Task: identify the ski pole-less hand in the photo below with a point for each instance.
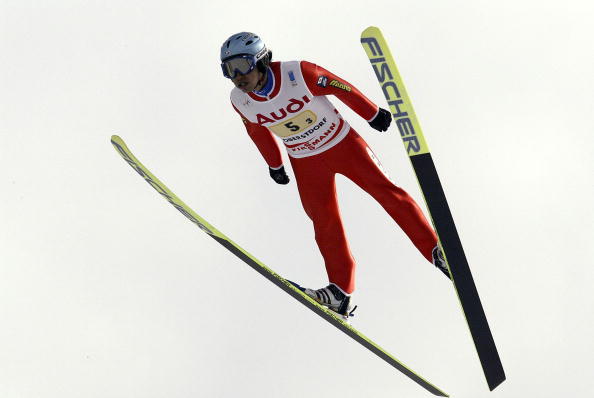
(279, 175)
(382, 120)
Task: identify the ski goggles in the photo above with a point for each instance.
(242, 64)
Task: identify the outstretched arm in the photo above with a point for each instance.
(323, 82)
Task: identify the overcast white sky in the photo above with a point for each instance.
(106, 291)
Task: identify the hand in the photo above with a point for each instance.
(279, 175)
(382, 120)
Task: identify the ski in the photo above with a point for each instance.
(415, 144)
(293, 290)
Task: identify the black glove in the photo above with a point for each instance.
(382, 121)
(279, 175)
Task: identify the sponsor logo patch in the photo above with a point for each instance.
(322, 81)
(294, 106)
(292, 78)
(340, 85)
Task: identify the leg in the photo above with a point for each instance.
(364, 169)
(317, 189)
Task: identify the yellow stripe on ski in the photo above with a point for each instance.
(393, 88)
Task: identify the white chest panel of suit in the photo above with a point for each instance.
(307, 124)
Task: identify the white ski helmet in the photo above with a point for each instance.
(243, 43)
(241, 52)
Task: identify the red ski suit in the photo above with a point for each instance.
(320, 144)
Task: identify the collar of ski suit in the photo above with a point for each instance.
(272, 87)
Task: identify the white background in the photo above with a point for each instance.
(107, 291)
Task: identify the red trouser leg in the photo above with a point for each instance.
(363, 168)
(315, 177)
(317, 190)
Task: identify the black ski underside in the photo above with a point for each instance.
(467, 292)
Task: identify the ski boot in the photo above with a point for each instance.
(440, 262)
(333, 298)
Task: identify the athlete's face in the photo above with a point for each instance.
(249, 82)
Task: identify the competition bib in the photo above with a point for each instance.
(308, 125)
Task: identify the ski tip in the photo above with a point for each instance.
(115, 138)
(370, 30)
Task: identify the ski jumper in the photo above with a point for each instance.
(320, 144)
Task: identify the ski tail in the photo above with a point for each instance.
(416, 147)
